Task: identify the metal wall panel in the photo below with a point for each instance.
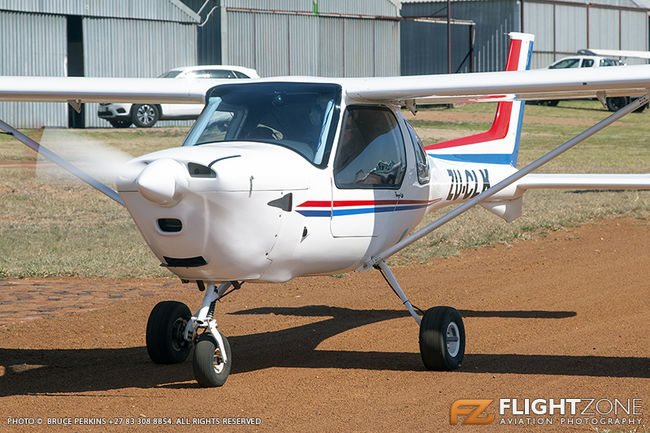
(166, 10)
(633, 26)
(241, 40)
(538, 20)
(303, 45)
(134, 48)
(355, 7)
(358, 48)
(33, 45)
(419, 57)
(272, 44)
(559, 30)
(387, 49)
(294, 44)
(570, 29)
(542, 60)
(494, 19)
(603, 28)
(209, 33)
(330, 47)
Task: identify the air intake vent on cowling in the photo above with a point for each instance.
(191, 262)
(170, 225)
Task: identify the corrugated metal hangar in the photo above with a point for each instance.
(120, 38)
(117, 38)
(303, 37)
(561, 27)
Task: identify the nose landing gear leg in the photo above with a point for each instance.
(171, 331)
(212, 357)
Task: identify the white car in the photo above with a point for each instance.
(146, 115)
(592, 61)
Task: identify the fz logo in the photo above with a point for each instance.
(467, 185)
(473, 409)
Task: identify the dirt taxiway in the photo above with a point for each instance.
(563, 316)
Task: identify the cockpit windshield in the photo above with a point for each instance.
(299, 116)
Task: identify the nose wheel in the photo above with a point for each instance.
(211, 367)
(171, 331)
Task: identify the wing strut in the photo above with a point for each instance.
(379, 259)
(61, 162)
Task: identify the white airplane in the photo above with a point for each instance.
(294, 176)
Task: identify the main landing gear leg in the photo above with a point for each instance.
(442, 334)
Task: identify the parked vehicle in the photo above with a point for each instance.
(146, 115)
(591, 61)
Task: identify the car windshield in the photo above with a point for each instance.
(170, 74)
(566, 63)
(299, 116)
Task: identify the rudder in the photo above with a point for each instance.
(500, 144)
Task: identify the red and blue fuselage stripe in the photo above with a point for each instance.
(358, 207)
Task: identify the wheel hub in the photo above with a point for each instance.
(145, 114)
(218, 361)
(178, 331)
(452, 338)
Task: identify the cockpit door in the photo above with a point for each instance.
(369, 169)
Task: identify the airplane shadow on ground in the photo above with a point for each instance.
(45, 371)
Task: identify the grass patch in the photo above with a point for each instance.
(621, 148)
(49, 229)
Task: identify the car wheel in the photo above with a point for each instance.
(144, 115)
(615, 104)
(641, 108)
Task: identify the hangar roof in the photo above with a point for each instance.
(165, 10)
(642, 4)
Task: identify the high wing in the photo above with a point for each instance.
(481, 86)
(87, 89)
(619, 53)
(494, 86)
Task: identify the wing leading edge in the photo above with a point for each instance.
(86, 89)
(495, 86)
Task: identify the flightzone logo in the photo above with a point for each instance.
(542, 411)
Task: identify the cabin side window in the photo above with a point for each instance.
(421, 160)
(371, 150)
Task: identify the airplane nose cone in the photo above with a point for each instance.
(163, 182)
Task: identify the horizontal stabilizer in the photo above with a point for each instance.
(584, 181)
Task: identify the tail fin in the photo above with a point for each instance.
(499, 145)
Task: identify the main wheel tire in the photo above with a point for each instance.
(209, 368)
(165, 332)
(120, 123)
(615, 104)
(442, 339)
(144, 115)
(552, 103)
